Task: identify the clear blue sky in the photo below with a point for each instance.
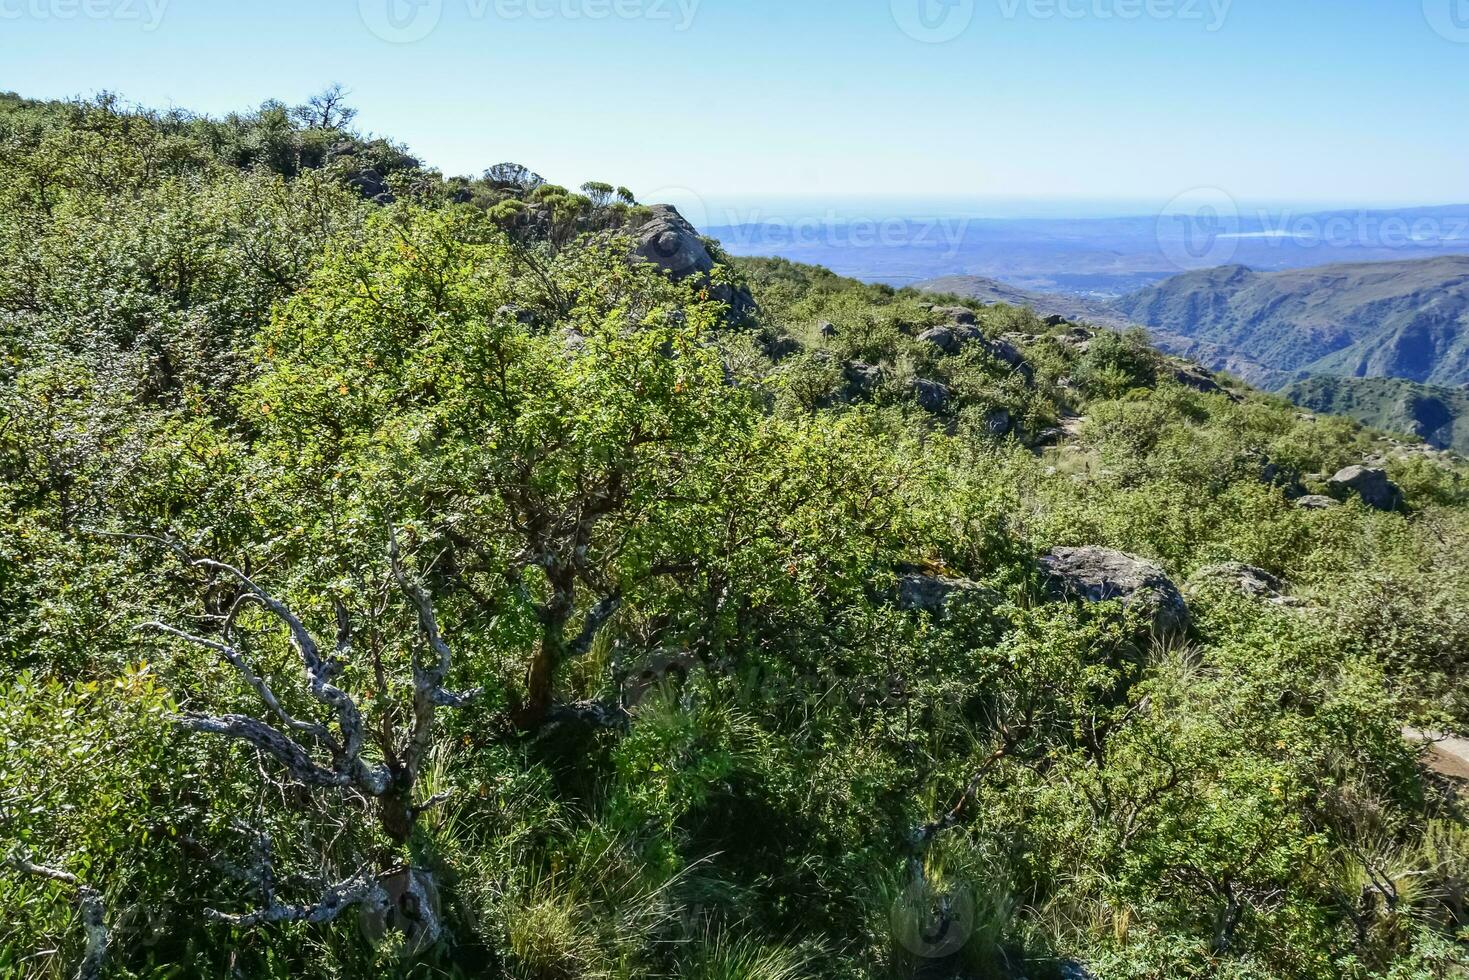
(1340, 101)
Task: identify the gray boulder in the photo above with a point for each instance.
(1317, 502)
(998, 421)
(863, 380)
(932, 396)
(1008, 354)
(669, 242)
(781, 347)
(1258, 584)
(827, 330)
(1100, 575)
(961, 315)
(921, 591)
(1368, 483)
(1055, 320)
(672, 244)
(944, 338)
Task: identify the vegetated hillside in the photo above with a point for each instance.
(1439, 416)
(991, 291)
(404, 575)
(1103, 313)
(1393, 319)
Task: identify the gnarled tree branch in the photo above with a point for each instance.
(89, 905)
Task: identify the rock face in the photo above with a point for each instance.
(1193, 377)
(945, 339)
(1253, 582)
(998, 421)
(961, 315)
(1317, 502)
(1372, 485)
(863, 380)
(1101, 575)
(673, 245)
(932, 396)
(781, 347)
(919, 591)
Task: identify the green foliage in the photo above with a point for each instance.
(664, 549)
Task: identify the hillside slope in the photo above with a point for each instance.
(1395, 319)
(1082, 309)
(405, 575)
(1439, 416)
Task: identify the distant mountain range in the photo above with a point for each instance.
(1379, 319)
(1386, 343)
(1440, 416)
(1383, 319)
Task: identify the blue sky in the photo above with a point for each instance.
(1350, 102)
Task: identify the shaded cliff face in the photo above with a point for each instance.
(1396, 319)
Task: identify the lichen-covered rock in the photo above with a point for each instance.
(932, 396)
(1368, 483)
(998, 421)
(1247, 579)
(1317, 502)
(961, 315)
(863, 380)
(944, 338)
(672, 244)
(1101, 575)
(921, 591)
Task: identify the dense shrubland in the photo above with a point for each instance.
(396, 579)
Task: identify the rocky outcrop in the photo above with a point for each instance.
(959, 315)
(1368, 483)
(672, 244)
(1317, 502)
(932, 396)
(863, 380)
(922, 591)
(781, 347)
(1246, 579)
(946, 339)
(1097, 574)
(998, 421)
(1193, 377)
